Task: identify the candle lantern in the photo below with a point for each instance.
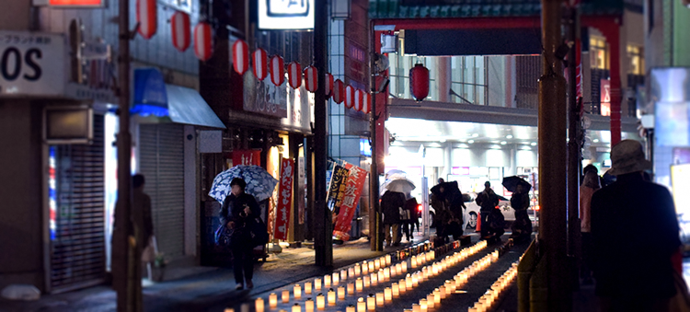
(358, 284)
(402, 285)
(317, 284)
(422, 304)
(413, 260)
(296, 308)
(442, 290)
(350, 308)
(297, 291)
(331, 297)
(409, 282)
(404, 267)
(386, 274)
(286, 296)
(341, 293)
(377, 264)
(320, 302)
(336, 279)
(309, 305)
(388, 259)
(416, 308)
(259, 305)
(371, 266)
(388, 294)
(358, 269)
(307, 288)
(361, 305)
(327, 281)
(351, 272)
(437, 297)
(366, 281)
(371, 302)
(396, 290)
(343, 275)
(245, 307)
(430, 301)
(273, 300)
(380, 299)
(374, 279)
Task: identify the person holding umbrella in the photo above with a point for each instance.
(488, 200)
(522, 227)
(238, 210)
(391, 205)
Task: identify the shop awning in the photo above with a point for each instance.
(152, 97)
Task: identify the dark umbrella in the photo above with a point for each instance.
(448, 188)
(511, 183)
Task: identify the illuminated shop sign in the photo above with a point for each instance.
(286, 14)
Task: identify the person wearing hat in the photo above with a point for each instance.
(633, 269)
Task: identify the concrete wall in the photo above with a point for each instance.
(21, 194)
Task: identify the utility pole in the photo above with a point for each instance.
(375, 226)
(323, 238)
(552, 161)
(126, 270)
(573, 147)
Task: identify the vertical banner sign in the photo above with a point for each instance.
(353, 190)
(301, 189)
(336, 189)
(246, 158)
(284, 199)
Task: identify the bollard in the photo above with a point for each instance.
(525, 270)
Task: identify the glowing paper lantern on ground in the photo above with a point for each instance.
(240, 57)
(277, 69)
(181, 31)
(311, 79)
(146, 17)
(260, 59)
(295, 75)
(203, 41)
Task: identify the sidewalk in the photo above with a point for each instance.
(213, 287)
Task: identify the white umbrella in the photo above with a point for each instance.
(400, 185)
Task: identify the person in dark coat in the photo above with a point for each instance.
(448, 202)
(633, 269)
(238, 209)
(522, 226)
(411, 211)
(488, 200)
(391, 204)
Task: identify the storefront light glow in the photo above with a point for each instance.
(52, 192)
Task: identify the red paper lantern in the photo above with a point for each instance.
(277, 70)
(349, 97)
(366, 103)
(203, 41)
(146, 17)
(338, 91)
(311, 79)
(181, 31)
(419, 82)
(329, 85)
(295, 75)
(359, 100)
(260, 64)
(240, 57)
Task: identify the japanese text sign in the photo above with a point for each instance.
(353, 190)
(246, 158)
(336, 189)
(282, 221)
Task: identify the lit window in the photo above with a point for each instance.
(598, 53)
(636, 56)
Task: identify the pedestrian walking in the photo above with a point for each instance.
(633, 269)
(522, 226)
(391, 204)
(143, 222)
(238, 213)
(410, 218)
(491, 224)
(590, 184)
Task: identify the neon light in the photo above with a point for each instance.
(52, 193)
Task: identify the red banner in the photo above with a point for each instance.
(246, 157)
(355, 184)
(282, 221)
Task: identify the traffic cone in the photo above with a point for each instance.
(479, 223)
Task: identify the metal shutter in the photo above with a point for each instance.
(77, 257)
(162, 164)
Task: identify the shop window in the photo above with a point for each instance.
(636, 57)
(599, 53)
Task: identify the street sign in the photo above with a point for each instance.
(286, 14)
(31, 63)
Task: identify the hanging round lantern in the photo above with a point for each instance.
(338, 91)
(203, 41)
(260, 63)
(181, 31)
(295, 75)
(240, 59)
(359, 100)
(329, 85)
(146, 18)
(366, 103)
(311, 79)
(419, 82)
(277, 70)
(349, 97)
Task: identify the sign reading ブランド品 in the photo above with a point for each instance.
(31, 63)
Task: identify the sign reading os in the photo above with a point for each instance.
(31, 63)
(286, 14)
